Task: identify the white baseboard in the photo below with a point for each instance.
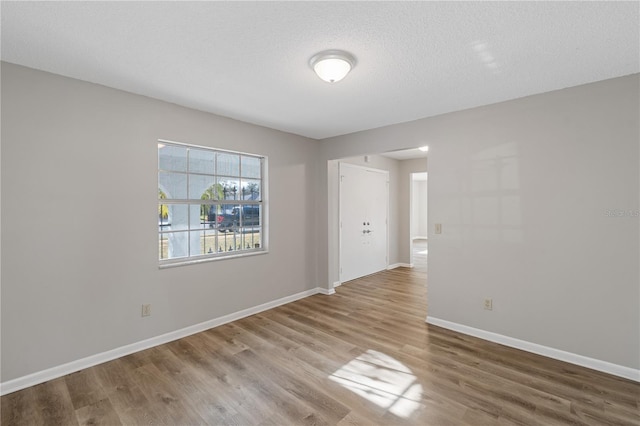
(337, 284)
(399, 265)
(419, 238)
(80, 364)
(592, 363)
(325, 291)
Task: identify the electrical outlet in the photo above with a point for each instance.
(438, 228)
(488, 304)
(146, 310)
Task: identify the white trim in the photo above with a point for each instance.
(592, 363)
(327, 292)
(337, 284)
(358, 166)
(209, 148)
(80, 364)
(400, 265)
(194, 260)
(419, 238)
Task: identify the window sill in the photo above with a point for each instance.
(173, 264)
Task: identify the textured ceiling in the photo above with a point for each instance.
(248, 60)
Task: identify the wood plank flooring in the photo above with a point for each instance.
(363, 356)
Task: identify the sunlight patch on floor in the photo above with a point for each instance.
(381, 380)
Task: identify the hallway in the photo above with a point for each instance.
(419, 254)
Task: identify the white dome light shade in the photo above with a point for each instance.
(332, 65)
(332, 69)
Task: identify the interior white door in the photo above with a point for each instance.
(364, 207)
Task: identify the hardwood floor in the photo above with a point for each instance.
(363, 356)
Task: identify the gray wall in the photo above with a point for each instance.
(522, 189)
(79, 231)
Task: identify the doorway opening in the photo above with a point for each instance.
(418, 235)
(400, 165)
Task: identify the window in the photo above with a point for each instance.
(210, 203)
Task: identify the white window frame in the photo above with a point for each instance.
(242, 252)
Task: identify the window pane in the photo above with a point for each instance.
(202, 216)
(251, 190)
(207, 242)
(209, 215)
(213, 192)
(250, 167)
(225, 209)
(177, 217)
(172, 185)
(161, 194)
(230, 219)
(202, 187)
(250, 215)
(163, 217)
(230, 189)
(172, 158)
(229, 241)
(228, 164)
(174, 245)
(163, 246)
(201, 161)
(251, 237)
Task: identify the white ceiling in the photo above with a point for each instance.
(248, 60)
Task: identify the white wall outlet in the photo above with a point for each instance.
(438, 228)
(146, 310)
(488, 304)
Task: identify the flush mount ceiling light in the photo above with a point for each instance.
(332, 65)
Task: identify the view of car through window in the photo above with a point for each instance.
(246, 215)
